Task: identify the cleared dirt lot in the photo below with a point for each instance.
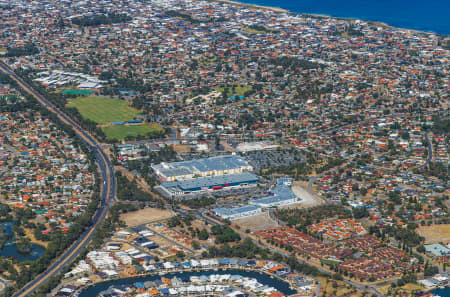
(435, 233)
(226, 146)
(307, 198)
(258, 222)
(146, 215)
(182, 148)
(30, 234)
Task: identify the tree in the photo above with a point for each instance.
(195, 245)
(430, 270)
(421, 249)
(203, 234)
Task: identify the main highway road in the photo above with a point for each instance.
(107, 195)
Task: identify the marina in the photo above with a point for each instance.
(195, 281)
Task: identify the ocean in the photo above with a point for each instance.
(442, 292)
(430, 16)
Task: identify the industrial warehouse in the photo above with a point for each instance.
(178, 189)
(188, 179)
(281, 195)
(236, 213)
(214, 166)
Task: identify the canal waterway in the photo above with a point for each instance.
(262, 278)
(445, 292)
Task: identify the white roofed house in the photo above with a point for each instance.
(168, 265)
(195, 263)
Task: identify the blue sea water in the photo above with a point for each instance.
(442, 292)
(430, 16)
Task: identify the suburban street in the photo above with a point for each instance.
(107, 195)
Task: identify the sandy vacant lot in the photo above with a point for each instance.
(435, 233)
(182, 148)
(258, 222)
(144, 216)
(307, 199)
(30, 234)
(226, 146)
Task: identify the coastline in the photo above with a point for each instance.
(270, 8)
(318, 15)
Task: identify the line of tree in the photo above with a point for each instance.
(407, 236)
(26, 50)
(331, 163)
(180, 220)
(184, 16)
(441, 125)
(224, 234)
(262, 29)
(102, 19)
(293, 63)
(199, 202)
(130, 191)
(437, 169)
(350, 31)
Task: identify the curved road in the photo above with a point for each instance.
(108, 189)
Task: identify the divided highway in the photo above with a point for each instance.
(107, 195)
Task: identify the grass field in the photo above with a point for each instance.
(103, 110)
(9, 97)
(239, 90)
(76, 92)
(407, 290)
(435, 233)
(120, 132)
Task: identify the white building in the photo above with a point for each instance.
(281, 195)
(236, 213)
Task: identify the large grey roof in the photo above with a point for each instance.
(218, 163)
(280, 193)
(233, 211)
(210, 181)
